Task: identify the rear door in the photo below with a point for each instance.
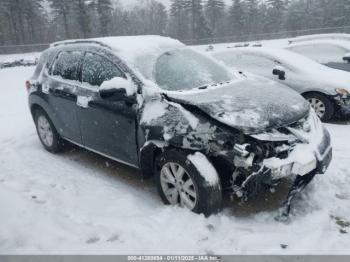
(107, 126)
(61, 88)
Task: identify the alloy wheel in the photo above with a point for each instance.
(45, 131)
(318, 106)
(178, 186)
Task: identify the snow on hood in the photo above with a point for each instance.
(247, 104)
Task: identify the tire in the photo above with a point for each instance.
(205, 198)
(323, 106)
(47, 132)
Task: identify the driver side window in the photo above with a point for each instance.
(97, 69)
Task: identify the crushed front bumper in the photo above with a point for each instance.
(301, 182)
(303, 172)
(344, 106)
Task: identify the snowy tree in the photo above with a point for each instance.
(276, 9)
(81, 16)
(236, 18)
(179, 22)
(199, 26)
(295, 16)
(215, 14)
(61, 11)
(104, 11)
(22, 21)
(251, 16)
(157, 17)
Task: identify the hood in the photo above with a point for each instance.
(247, 104)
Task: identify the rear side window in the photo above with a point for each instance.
(67, 65)
(97, 69)
(321, 53)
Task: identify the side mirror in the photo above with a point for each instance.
(118, 89)
(278, 71)
(346, 58)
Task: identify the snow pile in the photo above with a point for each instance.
(120, 83)
(28, 57)
(205, 168)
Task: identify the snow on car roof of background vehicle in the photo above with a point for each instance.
(340, 43)
(283, 56)
(320, 37)
(280, 43)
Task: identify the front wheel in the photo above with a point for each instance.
(181, 182)
(322, 105)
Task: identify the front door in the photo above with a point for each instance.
(108, 127)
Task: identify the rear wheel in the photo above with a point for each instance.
(47, 133)
(322, 105)
(180, 183)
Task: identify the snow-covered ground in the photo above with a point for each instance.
(16, 57)
(80, 203)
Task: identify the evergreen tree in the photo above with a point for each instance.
(199, 26)
(104, 10)
(276, 9)
(81, 17)
(215, 14)
(236, 18)
(62, 11)
(158, 18)
(179, 22)
(251, 16)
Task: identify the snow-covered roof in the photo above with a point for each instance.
(139, 52)
(281, 55)
(340, 43)
(321, 37)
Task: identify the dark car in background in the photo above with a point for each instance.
(154, 104)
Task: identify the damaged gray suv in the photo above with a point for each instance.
(154, 104)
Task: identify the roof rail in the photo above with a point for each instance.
(70, 42)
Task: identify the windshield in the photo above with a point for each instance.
(186, 69)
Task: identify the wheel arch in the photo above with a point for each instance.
(317, 92)
(151, 150)
(37, 102)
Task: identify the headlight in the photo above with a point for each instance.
(342, 92)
